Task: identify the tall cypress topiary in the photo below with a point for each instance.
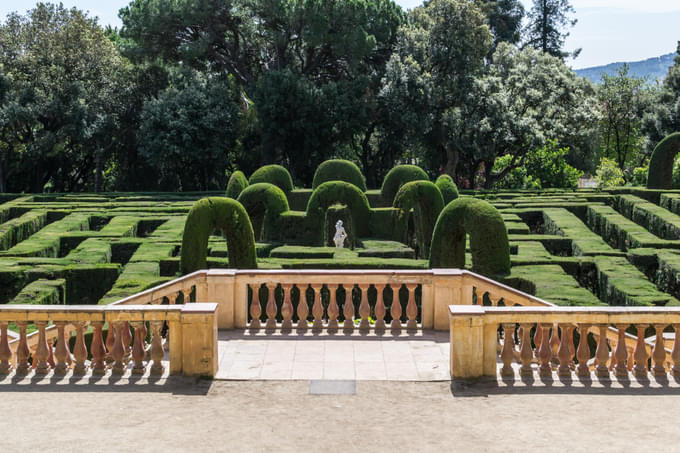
(273, 174)
(426, 200)
(660, 173)
(223, 214)
(488, 237)
(339, 170)
(397, 177)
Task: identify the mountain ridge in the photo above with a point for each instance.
(653, 68)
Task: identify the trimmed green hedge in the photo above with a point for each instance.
(208, 215)
(425, 199)
(42, 292)
(273, 174)
(397, 177)
(660, 173)
(488, 238)
(339, 170)
(330, 193)
(561, 222)
(657, 220)
(447, 187)
(264, 203)
(237, 182)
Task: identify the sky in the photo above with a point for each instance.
(608, 31)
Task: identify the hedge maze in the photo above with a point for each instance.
(616, 247)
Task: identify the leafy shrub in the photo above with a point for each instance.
(339, 170)
(640, 176)
(397, 177)
(273, 174)
(237, 182)
(264, 203)
(609, 174)
(447, 187)
(660, 175)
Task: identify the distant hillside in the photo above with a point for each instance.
(652, 68)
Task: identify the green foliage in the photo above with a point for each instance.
(609, 174)
(545, 30)
(660, 174)
(264, 203)
(273, 174)
(640, 176)
(226, 215)
(339, 170)
(447, 187)
(237, 182)
(426, 201)
(663, 117)
(488, 238)
(333, 192)
(397, 177)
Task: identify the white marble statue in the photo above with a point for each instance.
(340, 235)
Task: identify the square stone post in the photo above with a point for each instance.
(219, 288)
(473, 346)
(446, 286)
(198, 326)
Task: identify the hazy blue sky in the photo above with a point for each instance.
(607, 30)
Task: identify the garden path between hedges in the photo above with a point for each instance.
(180, 414)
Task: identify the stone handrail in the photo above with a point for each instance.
(474, 333)
(191, 339)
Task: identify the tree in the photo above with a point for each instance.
(545, 29)
(505, 20)
(623, 101)
(663, 117)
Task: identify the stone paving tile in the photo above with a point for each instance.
(307, 370)
(338, 370)
(370, 371)
(401, 371)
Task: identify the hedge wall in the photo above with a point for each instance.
(273, 174)
(333, 192)
(397, 177)
(237, 182)
(264, 203)
(339, 170)
(447, 187)
(660, 173)
(426, 200)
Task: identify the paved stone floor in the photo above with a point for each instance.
(421, 356)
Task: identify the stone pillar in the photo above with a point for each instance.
(198, 340)
(467, 342)
(232, 301)
(446, 290)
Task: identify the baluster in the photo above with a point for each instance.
(602, 352)
(255, 309)
(364, 308)
(583, 351)
(570, 343)
(348, 310)
(138, 347)
(526, 353)
(395, 310)
(621, 353)
(127, 340)
(675, 354)
(42, 352)
(659, 352)
(317, 308)
(118, 352)
(564, 351)
(640, 354)
(554, 345)
(61, 352)
(508, 351)
(186, 293)
(380, 310)
(333, 309)
(302, 310)
(5, 350)
(157, 347)
(80, 349)
(271, 306)
(110, 342)
(544, 352)
(287, 307)
(98, 350)
(23, 352)
(411, 308)
(538, 339)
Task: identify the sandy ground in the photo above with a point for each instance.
(242, 416)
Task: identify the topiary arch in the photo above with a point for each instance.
(426, 200)
(660, 173)
(447, 187)
(264, 203)
(397, 177)
(273, 174)
(333, 192)
(226, 215)
(237, 182)
(339, 170)
(488, 237)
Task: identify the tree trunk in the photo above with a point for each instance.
(451, 162)
(98, 170)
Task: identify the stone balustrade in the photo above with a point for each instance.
(190, 337)
(530, 340)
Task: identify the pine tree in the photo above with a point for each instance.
(545, 30)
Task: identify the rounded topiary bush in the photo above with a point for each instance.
(447, 187)
(488, 237)
(223, 214)
(273, 174)
(237, 182)
(426, 200)
(264, 203)
(660, 173)
(339, 170)
(397, 177)
(334, 192)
